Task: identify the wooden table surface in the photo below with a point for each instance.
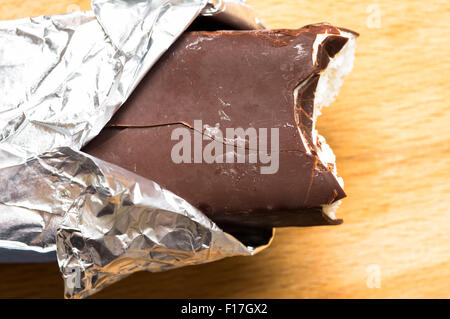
(390, 130)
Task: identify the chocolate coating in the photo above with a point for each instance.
(231, 79)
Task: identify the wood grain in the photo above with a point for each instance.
(390, 130)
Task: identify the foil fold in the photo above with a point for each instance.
(62, 78)
(118, 223)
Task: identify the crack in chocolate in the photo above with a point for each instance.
(191, 127)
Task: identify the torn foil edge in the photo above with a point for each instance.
(233, 12)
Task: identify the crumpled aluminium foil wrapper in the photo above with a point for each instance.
(115, 222)
(61, 80)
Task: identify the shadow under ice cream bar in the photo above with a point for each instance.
(208, 82)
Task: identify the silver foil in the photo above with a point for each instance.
(113, 221)
(61, 79)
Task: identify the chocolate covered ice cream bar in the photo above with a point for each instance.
(226, 120)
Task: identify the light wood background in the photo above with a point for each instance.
(390, 130)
